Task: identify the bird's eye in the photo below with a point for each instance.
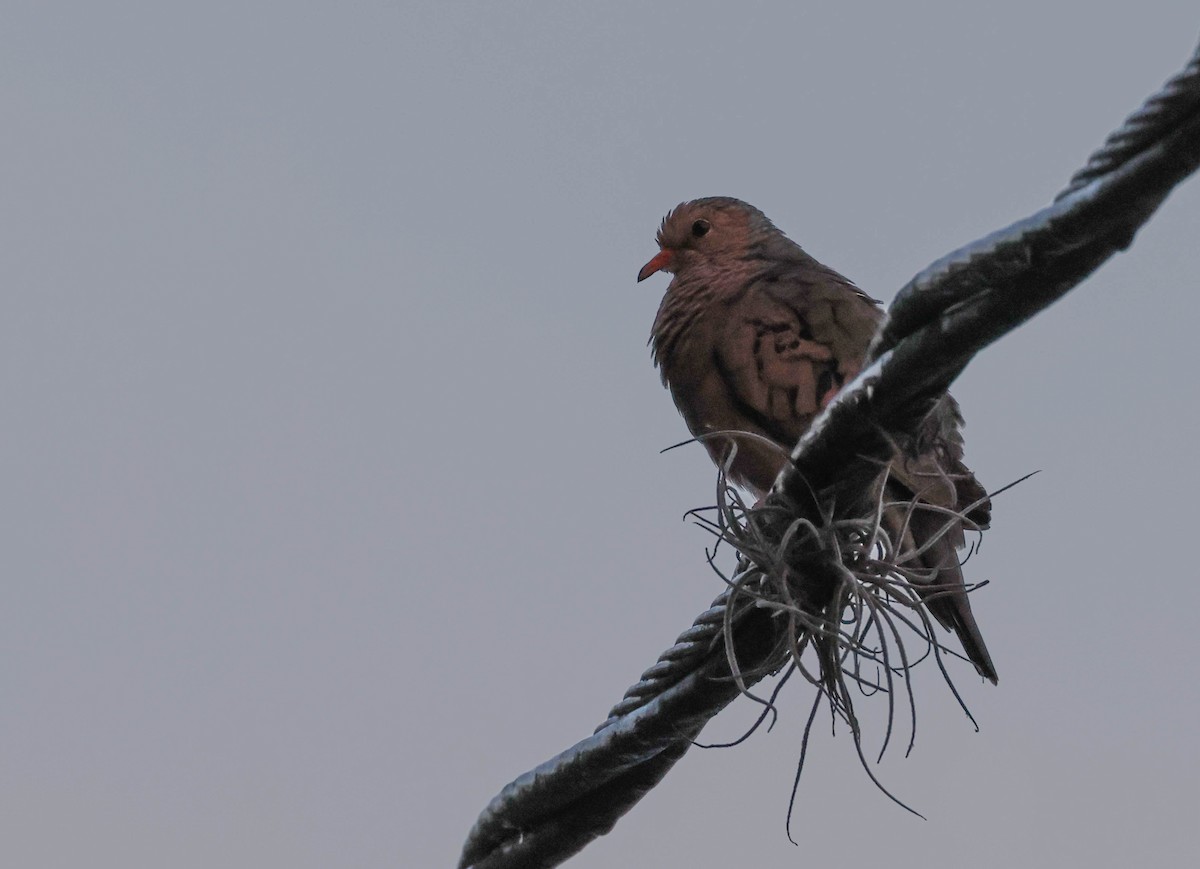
(700, 227)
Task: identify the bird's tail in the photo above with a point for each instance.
(947, 597)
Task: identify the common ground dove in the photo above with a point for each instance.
(754, 335)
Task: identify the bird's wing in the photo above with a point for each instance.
(788, 343)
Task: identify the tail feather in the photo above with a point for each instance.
(948, 600)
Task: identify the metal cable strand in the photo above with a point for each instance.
(692, 646)
(978, 266)
(552, 811)
(937, 323)
(1158, 116)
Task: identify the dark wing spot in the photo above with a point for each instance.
(827, 380)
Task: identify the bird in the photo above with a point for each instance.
(754, 335)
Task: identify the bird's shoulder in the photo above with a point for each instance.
(802, 283)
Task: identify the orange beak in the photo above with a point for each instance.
(661, 260)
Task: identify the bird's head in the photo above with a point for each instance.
(710, 229)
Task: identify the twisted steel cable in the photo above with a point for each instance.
(691, 647)
(1159, 116)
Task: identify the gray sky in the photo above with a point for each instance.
(333, 498)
